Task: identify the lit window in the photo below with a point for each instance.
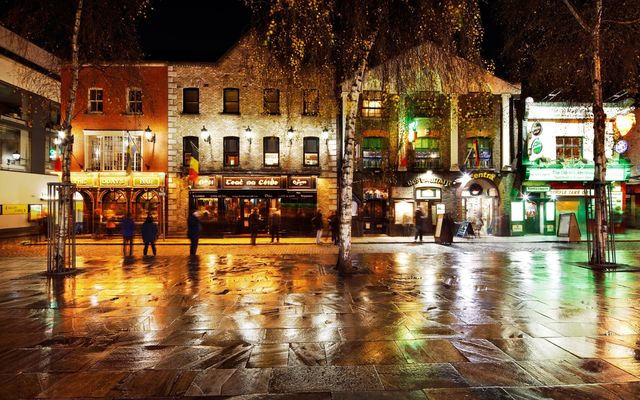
(113, 152)
(134, 101)
(271, 147)
(372, 104)
(372, 148)
(427, 153)
(311, 146)
(231, 145)
(95, 100)
(478, 153)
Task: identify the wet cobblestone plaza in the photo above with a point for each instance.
(470, 321)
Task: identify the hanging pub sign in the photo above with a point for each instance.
(252, 182)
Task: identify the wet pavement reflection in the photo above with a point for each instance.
(467, 324)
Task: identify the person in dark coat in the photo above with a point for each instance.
(318, 224)
(334, 224)
(194, 226)
(149, 235)
(128, 228)
(254, 220)
(419, 224)
(274, 225)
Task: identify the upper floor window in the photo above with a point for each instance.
(372, 104)
(189, 148)
(231, 147)
(478, 153)
(113, 152)
(372, 148)
(190, 101)
(311, 147)
(271, 146)
(427, 153)
(568, 148)
(310, 102)
(134, 101)
(427, 105)
(95, 100)
(272, 101)
(231, 101)
(14, 146)
(10, 101)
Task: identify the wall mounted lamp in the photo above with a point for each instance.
(205, 135)
(249, 135)
(325, 135)
(290, 135)
(149, 135)
(15, 158)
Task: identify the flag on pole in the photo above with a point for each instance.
(194, 163)
(57, 164)
(129, 156)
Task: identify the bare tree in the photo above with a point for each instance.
(83, 33)
(587, 48)
(350, 36)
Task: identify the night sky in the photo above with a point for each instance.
(192, 30)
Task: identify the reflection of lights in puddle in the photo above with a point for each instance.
(94, 300)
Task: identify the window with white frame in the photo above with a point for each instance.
(95, 100)
(116, 151)
(134, 101)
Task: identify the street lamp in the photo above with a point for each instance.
(290, 135)
(149, 135)
(15, 158)
(624, 122)
(205, 135)
(325, 135)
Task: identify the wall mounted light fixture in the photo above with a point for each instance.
(205, 135)
(149, 135)
(325, 135)
(249, 134)
(15, 158)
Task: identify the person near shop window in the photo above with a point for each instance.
(317, 224)
(418, 221)
(334, 224)
(274, 225)
(194, 226)
(254, 220)
(128, 228)
(149, 235)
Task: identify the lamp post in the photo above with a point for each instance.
(149, 135)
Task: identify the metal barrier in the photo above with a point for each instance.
(61, 245)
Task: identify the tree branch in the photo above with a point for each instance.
(619, 22)
(577, 16)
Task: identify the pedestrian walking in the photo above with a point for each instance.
(317, 224)
(194, 226)
(418, 221)
(149, 235)
(128, 228)
(274, 225)
(334, 224)
(254, 219)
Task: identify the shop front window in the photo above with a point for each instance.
(427, 153)
(372, 148)
(478, 153)
(114, 209)
(148, 204)
(14, 145)
(117, 152)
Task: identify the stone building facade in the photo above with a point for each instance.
(262, 141)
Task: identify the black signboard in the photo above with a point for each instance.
(465, 229)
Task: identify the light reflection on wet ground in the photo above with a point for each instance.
(468, 322)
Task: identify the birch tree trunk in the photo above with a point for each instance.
(345, 261)
(598, 256)
(66, 197)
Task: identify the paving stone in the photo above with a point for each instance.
(329, 378)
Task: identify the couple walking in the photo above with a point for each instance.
(149, 232)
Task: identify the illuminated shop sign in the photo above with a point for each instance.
(14, 209)
(432, 179)
(573, 174)
(250, 182)
(117, 180)
(206, 182)
(84, 179)
(147, 180)
(492, 176)
(301, 182)
(570, 192)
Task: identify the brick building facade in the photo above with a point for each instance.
(262, 141)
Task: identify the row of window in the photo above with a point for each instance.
(231, 101)
(134, 101)
(270, 149)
